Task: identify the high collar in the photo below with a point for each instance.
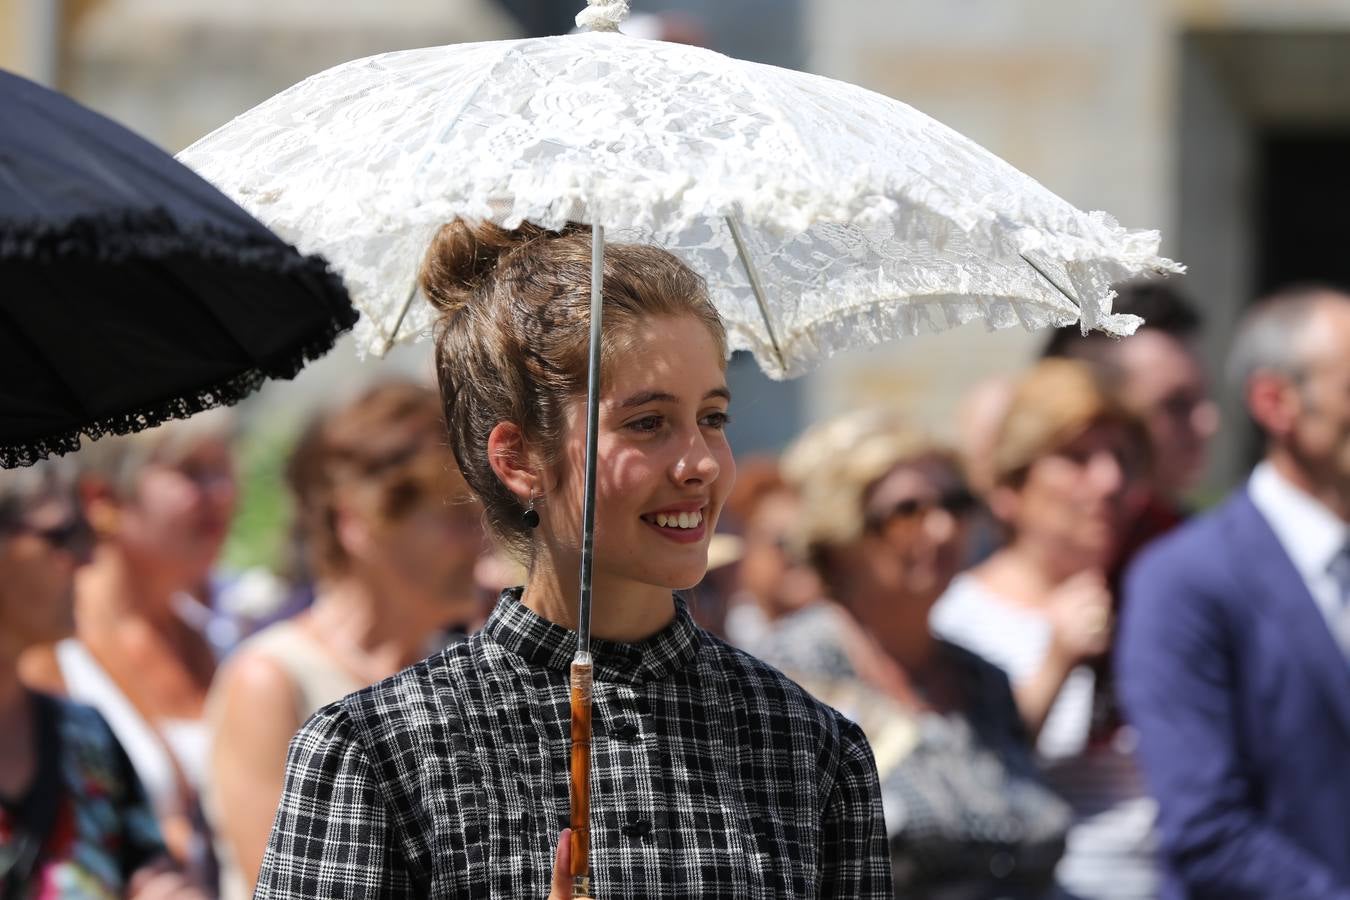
(520, 630)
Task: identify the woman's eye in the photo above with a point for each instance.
(717, 420)
(645, 424)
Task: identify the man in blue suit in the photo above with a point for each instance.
(1234, 650)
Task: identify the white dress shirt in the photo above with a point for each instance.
(1312, 536)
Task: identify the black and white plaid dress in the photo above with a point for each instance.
(713, 775)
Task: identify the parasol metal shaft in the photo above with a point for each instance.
(582, 669)
(756, 287)
(592, 437)
(398, 323)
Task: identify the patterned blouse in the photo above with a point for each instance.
(712, 776)
(969, 815)
(84, 826)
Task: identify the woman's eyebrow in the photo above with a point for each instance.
(645, 397)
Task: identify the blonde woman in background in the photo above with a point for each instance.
(882, 520)
(393, 537)
(160, 504)
(1067, 466)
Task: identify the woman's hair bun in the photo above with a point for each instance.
(464, 255)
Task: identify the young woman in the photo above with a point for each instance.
(393, 537)
(713, 775)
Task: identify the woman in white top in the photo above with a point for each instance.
(1065, 466)
(160, 503)
(393, 536)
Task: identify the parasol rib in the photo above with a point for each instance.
(1050, 281)
(755, 287)
(398, 323)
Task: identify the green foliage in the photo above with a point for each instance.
(258, 534)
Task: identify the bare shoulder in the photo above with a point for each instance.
(254, 687)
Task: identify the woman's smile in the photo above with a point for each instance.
(683, 523)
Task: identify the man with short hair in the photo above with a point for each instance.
(1234, 652)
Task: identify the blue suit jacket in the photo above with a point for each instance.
(1241, 697)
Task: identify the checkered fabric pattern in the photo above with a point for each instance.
(713, 775)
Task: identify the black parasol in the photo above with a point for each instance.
(131, 291)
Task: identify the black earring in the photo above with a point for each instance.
(530, 516)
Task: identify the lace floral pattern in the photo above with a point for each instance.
(864, 219)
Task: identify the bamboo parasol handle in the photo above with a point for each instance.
(582, 680)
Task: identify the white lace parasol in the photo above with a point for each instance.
(823, 215)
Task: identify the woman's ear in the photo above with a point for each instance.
(510, 462)
(353, 533)
(100, 506)
(1005, 503)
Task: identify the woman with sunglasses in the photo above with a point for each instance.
(74, 820)
(883, 521)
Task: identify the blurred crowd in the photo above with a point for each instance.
(1075, 683)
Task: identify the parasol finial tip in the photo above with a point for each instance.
(603, 15)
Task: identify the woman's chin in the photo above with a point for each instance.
(675, 578)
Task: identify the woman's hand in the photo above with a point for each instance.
(1079, 611)
(1080, 618)
(561, 889)
(162, 881)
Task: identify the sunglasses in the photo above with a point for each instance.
(73, 534)
(957, 502)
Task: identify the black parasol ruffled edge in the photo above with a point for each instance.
(154, 235)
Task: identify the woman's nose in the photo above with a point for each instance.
(1205, 419)
(697, 464)
(939, 525)
(1107, 472)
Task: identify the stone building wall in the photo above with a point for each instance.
(1150, 109)
(1154, 110)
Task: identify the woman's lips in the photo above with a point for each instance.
(679, 535)
(681, 526)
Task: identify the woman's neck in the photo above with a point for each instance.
(1027, 572)
(113, 587)
(361, 622)
(13, 695)
(899, 625)
(621, 610)
(18, 756)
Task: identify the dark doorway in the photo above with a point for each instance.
(1303, 209)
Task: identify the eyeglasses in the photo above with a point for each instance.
(73, 534)
(957, 502)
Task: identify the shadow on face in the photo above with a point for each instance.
(664, 467)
